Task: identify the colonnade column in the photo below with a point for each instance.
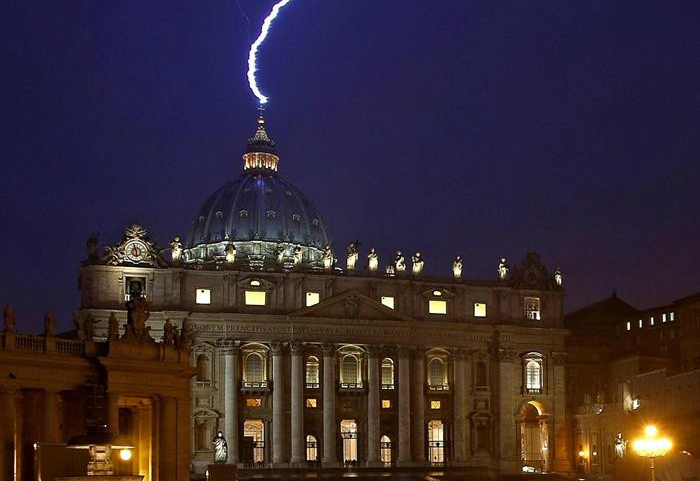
(329, 425)
(7, 434)
(167, 439)
(50, 426)
(297, 405)
(373, 395)
(459, 407)
(507, 392)
(419, 407)
(562, 461)
(278, 419)
(113, 412)
(404, 407)
(231, 354)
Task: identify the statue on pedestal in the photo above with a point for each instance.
(327, 258)
(457, 267)
(298, 255)
(400, 263)
(49, 324)
(91, 247)
(418, 263)
(139, 310)
(352, 256)
(220, 448)
(280, 254)
(185, 334)
(557, 276)
(390, 270)
(113, 328)
(176, 250)
(168, 333)
(230, 251)
(503, 269)
(9, 314)
(89, 327)
(372, 260)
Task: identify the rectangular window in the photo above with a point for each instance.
(434, 404)
(663, 317)
(532, 308)
(388, 301)
(254, 298)
(629, 325)
(479, 309)
(437, 307)
(312, 298)
(134, 288)
(641, 323)
(203, 296)
(311, 403)
(386, 403)
(253, 402)
(672, 316)
(651, 321)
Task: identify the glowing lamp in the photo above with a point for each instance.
(582, 454)
(125, 454)
(651, 446)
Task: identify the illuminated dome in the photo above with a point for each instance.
(263, 215)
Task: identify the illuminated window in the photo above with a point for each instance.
(437, 293)
(388, 301)
(533, 373)
(254, 298)
(312, 372)
(255, 283)
(386, 403)
(387, 373)
(253, 368)
(663, 317)
(203, 296)
(479, 309)
(253, 402)
(641, 323)
(311, 448)
(434, 404)
(437, 307)
(651, 321)
(629, 325)
(532, 308)
(312, 298)
(672, 316)
(311, 403)
(349, 370)
(437, 374)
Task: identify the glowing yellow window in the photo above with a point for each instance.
(479, 309)
(254, 298)
(434, 404)
(386, 403)
(312, 298)
(253, 402)
(388, 301)
(203, 296)
(311, 403)
(437, 307)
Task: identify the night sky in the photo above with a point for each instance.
(479, 128)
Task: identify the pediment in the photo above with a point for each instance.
(351, 305)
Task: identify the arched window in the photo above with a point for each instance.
(387, 373)
(533, 373)
(437, 374)
(312, 372)
(311, 448)
(203, 368)
(253, 368)
(482, 379)
(350, 370)
(385, 449)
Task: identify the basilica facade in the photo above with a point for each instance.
(310, 356)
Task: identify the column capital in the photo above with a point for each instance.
(559, 358)
(461, 354)
(296, 348)
(328, 349)
(227, 347)
(405, 351)
(277, 348)
(373, 350)
(506, 355)
(419, 354)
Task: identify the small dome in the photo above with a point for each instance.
(258, 206)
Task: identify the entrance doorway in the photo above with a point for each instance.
(534, 438)
(254, 441)
(436, 442)
(348, 432)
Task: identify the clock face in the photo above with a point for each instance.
(135, 251)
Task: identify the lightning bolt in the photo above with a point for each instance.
(252, 68)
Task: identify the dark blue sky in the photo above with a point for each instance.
(474, 127)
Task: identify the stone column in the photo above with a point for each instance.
(419, 407)
(460, 425)
(404, 457)
(373, 396)
(231, 355)
(7, 434)
(297, 434)
(167, 439)
(278, 418)
(50, 425)
(507, 393)
(112, 401)
(329, 425)
(562, 461)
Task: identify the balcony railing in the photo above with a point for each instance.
(388, 387)
(438, 387)
(313, 385)
(255, 385)
(350, 385)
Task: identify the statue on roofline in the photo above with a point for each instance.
(175, 250)
(372, 260)
(399, 263)
(417, 264)
(9, 314)
(352, 256)
(503, 269)
(457, 267)
(49, 324)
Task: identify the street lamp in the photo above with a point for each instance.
(651, 446)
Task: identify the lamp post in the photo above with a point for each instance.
(650, 446)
